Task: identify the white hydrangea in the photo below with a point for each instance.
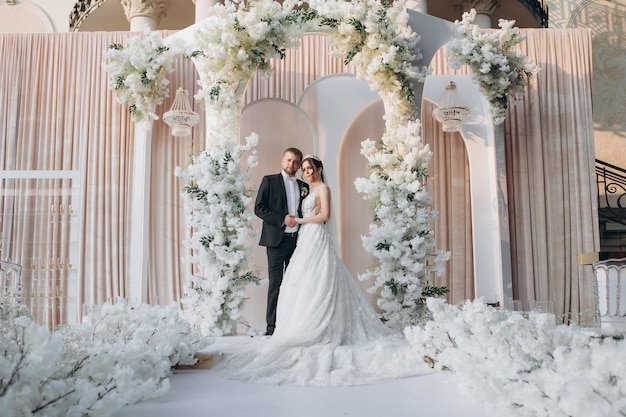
(138, 73)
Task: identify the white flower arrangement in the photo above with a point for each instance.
(139, 73)
(400, 238)
(120, 356)
(376, 39)
(216, 204)
(524, 364)
(236, 41)
(498, 69)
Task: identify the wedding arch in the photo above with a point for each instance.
(229, 47)
(233, 43)
(239, 39)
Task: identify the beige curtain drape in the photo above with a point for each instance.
(56, 113)
(449, 187)
(550, 178)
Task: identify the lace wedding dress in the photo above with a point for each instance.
(327, 332)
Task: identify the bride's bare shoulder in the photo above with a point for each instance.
(324, 188)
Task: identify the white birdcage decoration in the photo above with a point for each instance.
(450, 113)
(180, 118)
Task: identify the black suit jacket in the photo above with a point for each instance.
(271, 207)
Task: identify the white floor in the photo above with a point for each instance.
(200, 393)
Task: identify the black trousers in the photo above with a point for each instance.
(277, 260)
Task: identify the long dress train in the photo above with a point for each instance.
(327, 332)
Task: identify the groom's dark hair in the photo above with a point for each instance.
(295, 151)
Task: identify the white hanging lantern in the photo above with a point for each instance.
(449, 113)
(180, 117)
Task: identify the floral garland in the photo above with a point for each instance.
(216, 204)
(118, 357)
(401, 239)
(139, 73)
(525, 365)
(498, 70)
(375, 37)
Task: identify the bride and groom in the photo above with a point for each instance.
(324, 330)
(319, 300)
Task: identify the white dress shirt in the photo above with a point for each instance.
(293, 198)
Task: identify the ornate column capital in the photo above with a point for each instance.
(481, 6)
(152, 9)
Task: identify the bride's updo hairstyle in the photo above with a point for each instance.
(316, 162)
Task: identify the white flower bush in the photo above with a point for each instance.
(138, 73)
(120, 356)
(497, 68)
(400, 238)
(216, 204)
(524, 365)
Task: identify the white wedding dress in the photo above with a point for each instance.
(327, 332)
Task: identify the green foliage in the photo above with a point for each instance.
(300, 16)
(195, 191)
(119, 83)
(432, 291)
(330, 22)
(195, 54)
(214, 93)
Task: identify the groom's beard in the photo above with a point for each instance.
(291, 171)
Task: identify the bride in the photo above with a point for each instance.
(327, 332)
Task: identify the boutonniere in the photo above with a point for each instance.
(304, 192)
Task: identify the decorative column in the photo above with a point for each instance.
(140, 209)
(483, 8)
(141, 13)
(144, 12)
(202, 8)
(490, 219)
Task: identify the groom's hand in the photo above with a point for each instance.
(290, 220)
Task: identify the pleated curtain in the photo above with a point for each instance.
(57, 113)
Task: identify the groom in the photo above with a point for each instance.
(279, 197)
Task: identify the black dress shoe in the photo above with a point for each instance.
(269, 332)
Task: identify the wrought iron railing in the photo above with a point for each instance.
(80, 11)
(611, 183)
(539, 8)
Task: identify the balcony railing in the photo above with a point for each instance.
(81, 10)
(539, 8)
(611, 183)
